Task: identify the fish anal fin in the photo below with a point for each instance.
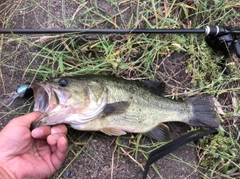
(112, 131)
(116, 108)
(159, 133)
(155, 86)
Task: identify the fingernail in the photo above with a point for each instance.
(54, 130)
(36, 133)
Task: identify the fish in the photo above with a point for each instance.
(116, 106)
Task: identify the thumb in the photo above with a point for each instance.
(26, 120)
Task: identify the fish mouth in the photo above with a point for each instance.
(42, 94)
(47, 98)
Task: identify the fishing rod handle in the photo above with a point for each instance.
(216, 31)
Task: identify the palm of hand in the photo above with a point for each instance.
(28, 157)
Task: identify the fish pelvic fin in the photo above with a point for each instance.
(203, 113)
(160, 133)
(112, 131)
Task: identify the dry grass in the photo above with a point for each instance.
(184, 62)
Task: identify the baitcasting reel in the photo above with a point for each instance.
(223, 41)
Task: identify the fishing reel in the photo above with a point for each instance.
(223, 41)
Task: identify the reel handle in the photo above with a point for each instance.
(223, 41)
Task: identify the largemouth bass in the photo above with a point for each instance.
(116, 106)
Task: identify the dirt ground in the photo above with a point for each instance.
(98, 158)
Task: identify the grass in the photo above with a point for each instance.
(135, 57)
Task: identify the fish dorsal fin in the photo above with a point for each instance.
(155, 86)
(159, 133)
(112, 131)
(116, 108)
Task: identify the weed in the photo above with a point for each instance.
(194, 70)
(220, 154)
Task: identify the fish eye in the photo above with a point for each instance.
(62, 82)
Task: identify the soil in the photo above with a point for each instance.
(99, 157)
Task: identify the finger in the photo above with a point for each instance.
(26, 120)
(53, 148)
(44, 131)
(61, 128)
(60, 153)
(42, 147)
(53, 138)
(41, 132)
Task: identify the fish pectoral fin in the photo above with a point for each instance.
(112, 131)
(159, 133)
(116, 108)
(155, 87)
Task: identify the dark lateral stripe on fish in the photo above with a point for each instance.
(116, 108)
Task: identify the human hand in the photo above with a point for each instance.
(36, 154)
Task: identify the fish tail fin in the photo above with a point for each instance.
(203, 113)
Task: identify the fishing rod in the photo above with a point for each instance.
(222, 40)
(100, 31)
(208, 30)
